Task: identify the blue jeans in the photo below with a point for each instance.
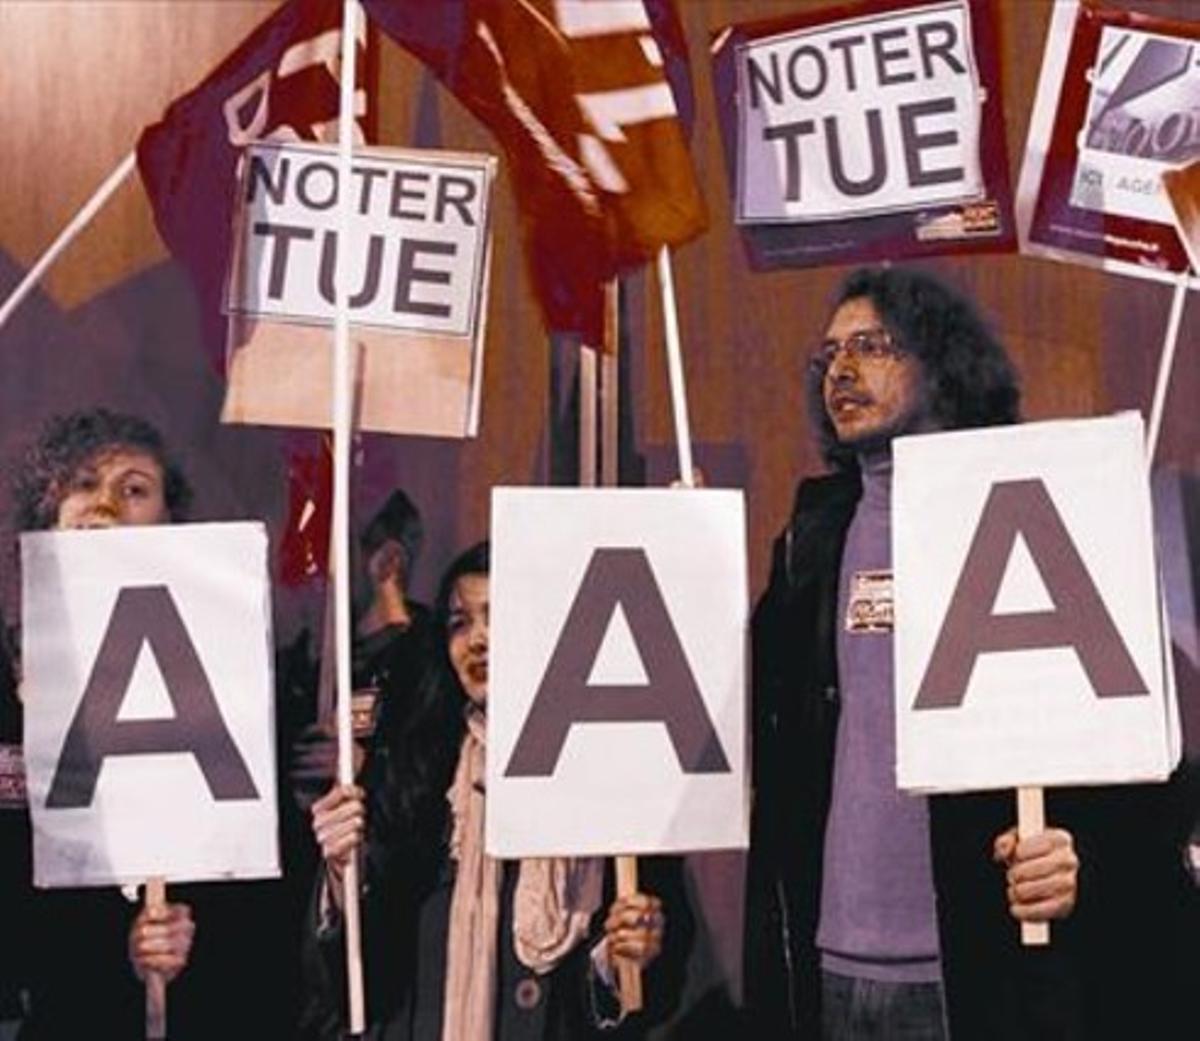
(869, 1010)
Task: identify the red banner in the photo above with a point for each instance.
(280, 84)
(580, 98)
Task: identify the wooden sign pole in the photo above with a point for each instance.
(679, 408)
(628, 973)
(156, 986)
(1031, 819)
(340, 560)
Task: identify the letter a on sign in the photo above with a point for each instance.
(1078, 619)
(147, 616)
(617, 578)
(1028, 641)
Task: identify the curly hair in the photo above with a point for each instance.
(69, 441)
(968, 376)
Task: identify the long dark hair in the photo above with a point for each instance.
(421, 730)
(968, 376)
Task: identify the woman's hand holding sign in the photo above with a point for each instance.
(634, 927)
(160, 940)
(339, 819)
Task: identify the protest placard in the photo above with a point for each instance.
(149, 707)
(1115, 111)
(874, 130)
(1029, 644)
(418, 264)
(616, 706)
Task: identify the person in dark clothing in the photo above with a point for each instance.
(391, 630)
(872, 913)
(15, 843)
(227, 949)
(391, 647)
(458, 946)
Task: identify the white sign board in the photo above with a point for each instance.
(617, 672)
(417, 237)
(869, 115)
(1029, 645)
(149, 704)
(418, 259)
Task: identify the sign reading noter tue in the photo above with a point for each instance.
(417, 241)
(149, 707)
(416, 262)
(616, 704)
(869, 115)
(1028, 639)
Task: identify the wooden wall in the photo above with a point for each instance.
(82, 78)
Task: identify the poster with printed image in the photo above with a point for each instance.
(1139, 123)
(861, 132)
(1117, 112)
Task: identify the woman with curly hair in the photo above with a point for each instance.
(98, 468)
(87, 951)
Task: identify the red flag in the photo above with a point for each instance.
(281, 83)
(580, 97)
(304, 549)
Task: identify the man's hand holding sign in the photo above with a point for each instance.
(1042, 872)
(1021, 647)
(1028, 651)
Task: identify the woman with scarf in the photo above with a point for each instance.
(458, 946)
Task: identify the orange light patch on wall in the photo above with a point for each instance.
(68, 124)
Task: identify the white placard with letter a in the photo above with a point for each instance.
(616, 704)
(149, 708)
(1029, 645)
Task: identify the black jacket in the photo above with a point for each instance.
(407, 883)
(1116, 968)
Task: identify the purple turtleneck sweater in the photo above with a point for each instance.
(877, 905)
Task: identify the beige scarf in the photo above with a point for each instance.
(553, 904)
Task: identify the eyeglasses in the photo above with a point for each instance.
(864, 345)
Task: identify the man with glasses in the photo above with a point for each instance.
(876, 914)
